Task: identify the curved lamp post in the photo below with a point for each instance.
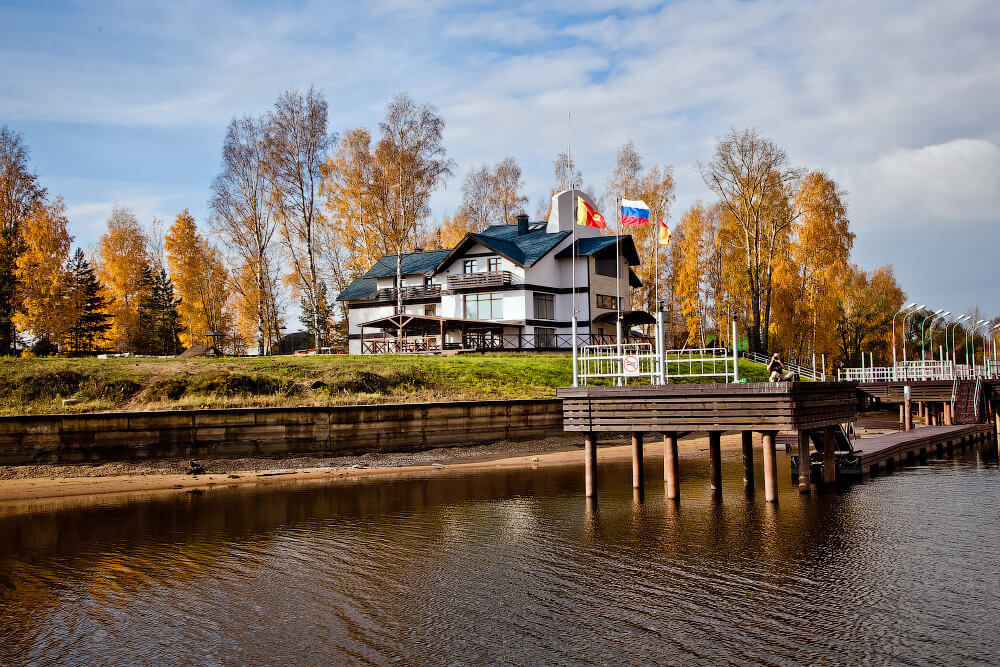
(911, 305)
(930, 332)
(967, 331)
(922, 324)
(918, 309)
(954, 324)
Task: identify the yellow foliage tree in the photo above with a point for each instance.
(867, 307)
(41, 271)
(122, 255)
(691, 269)
(200, 280)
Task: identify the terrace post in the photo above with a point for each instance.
(804, 463)
(829, 455)
(670, 467)
(947, 413)
(715, 456)
(747, 460)
(590, 463)
(636, 460)
(770, 467)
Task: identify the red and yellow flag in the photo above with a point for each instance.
(664, 232)
(587, 216)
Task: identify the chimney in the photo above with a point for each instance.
(522, 225)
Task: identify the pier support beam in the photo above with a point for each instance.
(908, 414)
(747, 460)
(902, 418)
(804, 464)
(637, 460)
(770, 467)
(670, 469)
(829, 455)
(590, 464)
(947, 413)
(715, 454)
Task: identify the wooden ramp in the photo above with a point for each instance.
(891, 449)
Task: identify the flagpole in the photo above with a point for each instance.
(618, 288)
(569, 159)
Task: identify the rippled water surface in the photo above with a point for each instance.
(513, 567)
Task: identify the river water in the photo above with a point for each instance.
(513, 567)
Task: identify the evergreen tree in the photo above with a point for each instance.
(89, 303)
(324, 318)
(159, 321)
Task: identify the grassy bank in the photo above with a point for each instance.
(38, 386)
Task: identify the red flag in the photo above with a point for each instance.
(587, 216)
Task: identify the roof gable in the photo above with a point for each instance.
(413, 262)
(522, 249)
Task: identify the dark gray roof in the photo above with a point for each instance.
(595, 244)
(523, 249)
(361, 288)
(413, 262)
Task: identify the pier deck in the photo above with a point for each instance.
(891, 449)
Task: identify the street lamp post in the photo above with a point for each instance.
(954, 324)
(917, 310)
(930, 332)
(967, 330)
(922, 324)
(911, 305)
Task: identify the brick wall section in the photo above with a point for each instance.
(124, 436)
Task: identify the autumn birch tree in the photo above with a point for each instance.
(753, 180)
(241, 215)
(122, 258)
(45, 311)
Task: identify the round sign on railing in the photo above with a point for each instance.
(630, 365)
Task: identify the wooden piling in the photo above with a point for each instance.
(829, 456)
(908, 415)
(590, 463)
(770, 467)
(637, 460)
(670, 468)
(947, 413)
(902, 417)
(804, 462)
(747, 460)
(715, 454)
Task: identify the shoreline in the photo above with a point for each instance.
(28, 483)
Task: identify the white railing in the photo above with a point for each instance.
(700, 362)
(607, 361)
(803, 372)
(903, 372)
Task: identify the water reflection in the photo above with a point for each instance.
(513, 566)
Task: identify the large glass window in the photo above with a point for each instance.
(544, 306)
(545, 337)
(605, 301)
(493, 264)
(483, 306)
(469, 266)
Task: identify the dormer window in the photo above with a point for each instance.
(428, 281)
(469, 266)
(493, 264)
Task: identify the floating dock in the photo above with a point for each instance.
(889, 451)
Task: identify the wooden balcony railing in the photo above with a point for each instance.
(421, 292)
(479, 279)
(486, 341)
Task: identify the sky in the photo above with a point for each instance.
(126, 103)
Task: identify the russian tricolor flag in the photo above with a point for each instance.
(634, 213)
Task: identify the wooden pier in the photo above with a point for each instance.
(889, 451)
(673, 410)
(767, 408)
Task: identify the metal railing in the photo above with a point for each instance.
(903, 372)
(607, 361)
(419, 292)
(699, 362)
(482, 342)
(803, 372)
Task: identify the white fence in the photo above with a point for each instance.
(811, 373)
(606, 361)
(903, 371)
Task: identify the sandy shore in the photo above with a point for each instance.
(60, 481)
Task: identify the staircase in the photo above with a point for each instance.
(968, 394)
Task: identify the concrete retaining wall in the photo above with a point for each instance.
(122, 436)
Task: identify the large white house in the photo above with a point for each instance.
(509, 287)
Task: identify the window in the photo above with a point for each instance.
(605, 301)
(469, 266)
(545, 337)
(493, 264)
(430, 309)
(483, 306)
(606, 266)
(428, 281)
(544, 306)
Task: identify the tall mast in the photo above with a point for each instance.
(569, 160)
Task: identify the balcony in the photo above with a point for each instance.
(479, 279)
(421, 292)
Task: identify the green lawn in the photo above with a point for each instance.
(38, 386)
